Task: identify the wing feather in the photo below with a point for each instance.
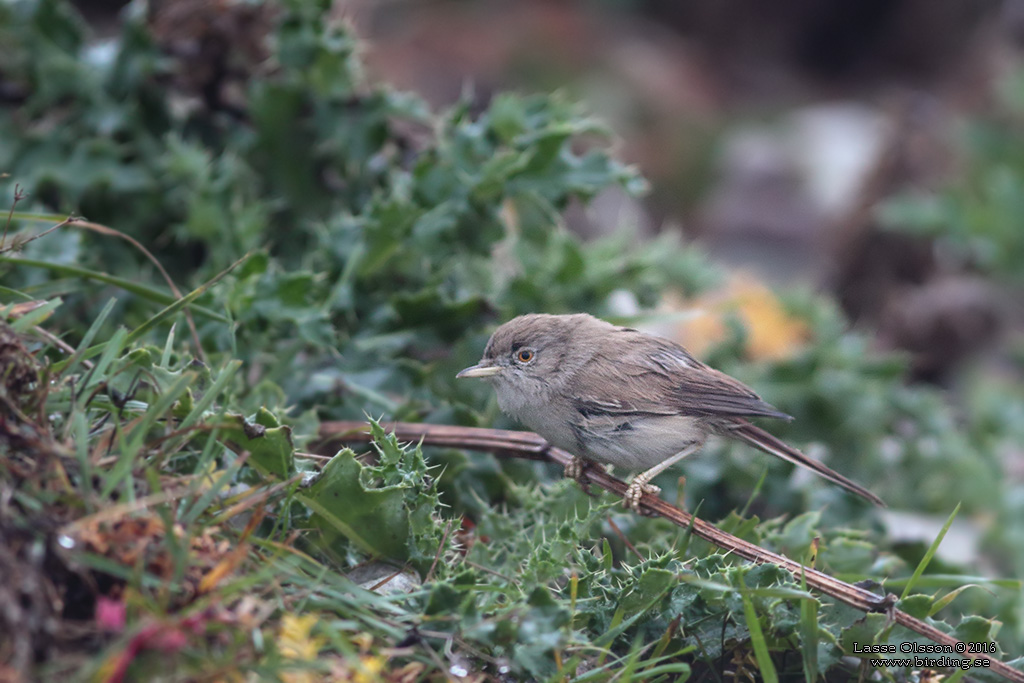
(654, 376)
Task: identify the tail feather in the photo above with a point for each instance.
(762, 440)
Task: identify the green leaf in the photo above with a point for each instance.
(847, 555)
(917, 605)
(508, 116)
(653, 584)
(975, 629)
(271, 448)
(373, 518)
(862, 633)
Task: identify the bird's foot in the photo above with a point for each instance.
(575, 468)
(636, 490)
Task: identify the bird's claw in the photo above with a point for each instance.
(636, 490)
(574, 468)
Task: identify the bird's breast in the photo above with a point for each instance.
(551, 419)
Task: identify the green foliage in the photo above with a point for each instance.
(345, 252)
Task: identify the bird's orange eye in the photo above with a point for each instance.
(524, 355)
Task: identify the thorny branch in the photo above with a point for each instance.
(531, 446)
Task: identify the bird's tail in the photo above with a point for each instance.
(762, 440)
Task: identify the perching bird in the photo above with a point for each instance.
(611, 394)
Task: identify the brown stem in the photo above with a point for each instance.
(531, 446)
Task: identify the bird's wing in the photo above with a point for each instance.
(663, 379)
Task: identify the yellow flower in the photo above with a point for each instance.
(369, 669)
(295, 643)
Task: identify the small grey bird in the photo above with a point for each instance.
(614, 395)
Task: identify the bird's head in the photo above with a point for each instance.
(531, 356)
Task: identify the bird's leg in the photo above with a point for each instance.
(641, 483)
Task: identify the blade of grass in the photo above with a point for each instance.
(32, 318)
(211, 394)
(166, 312)
(633, 661)
(38, 217)
(754, 494)
(114, 568)
(781, 592)
(76, 358)
(232, 330)
(159, 409)
(80, 437)
(808, 632)
(259, 496)
(98, 373)
(957, 676)
(686, 535)
(618, 626)
(653, 668)
(956, 580)
(54, 286)
(349, 531)
(203, 502)
(675, 668)
(612, 633)
(950, 597)
(185, 300)
(764, 659)
(165, 357)
(923, 564)
(144, 291)
(131, 443)
(14, 294)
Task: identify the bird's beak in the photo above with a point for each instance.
(480, 370)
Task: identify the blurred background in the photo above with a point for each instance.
(805, 143)
(800, 141)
